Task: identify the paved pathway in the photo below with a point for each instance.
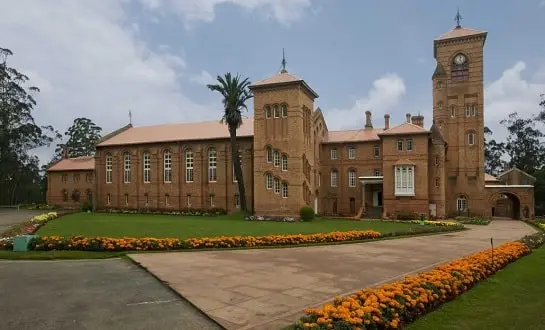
(10, 217)
(269, 288)
(90, 294)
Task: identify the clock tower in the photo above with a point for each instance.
(458, 110)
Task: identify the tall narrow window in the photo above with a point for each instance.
(461, 203)
(352, 177)
(284, 163)
(269, 154)
(188, 165)
(269, 181)
(237, 201)
(109, 168)
(147, 167)
(334, 153)
(146, 199)
(404, 180)
(267, 111)
(127, 167)
(167, 166)
(351, 153)
(275, 111)
(126, 199)
(334, 178)
(471, 138)
(108, 199)
(276, 186)
(471, 110)
(284, 189)
(276, 158)
(376, 151)
(188, 200)
(284, 110)
(436, 160)
(212, 200)
(409, 144)
(64, 178)
(437, 182)
(400, 145)
(212, 165)
(65, 196)
(167, 200)
(453, 111)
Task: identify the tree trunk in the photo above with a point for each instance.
(238, 169)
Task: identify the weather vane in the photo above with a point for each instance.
(283, 62)
(458, 18)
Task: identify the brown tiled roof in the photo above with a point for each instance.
(282, 78)
(84, 163)
(359, 135)
(405, 128)
(207, 130)
(459, 32)
(488, 177)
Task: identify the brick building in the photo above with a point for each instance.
(291, 159)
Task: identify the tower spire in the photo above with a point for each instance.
(130, 117)
(283, 62)
(458, 18)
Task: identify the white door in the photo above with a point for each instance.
(433, 210)
(375, 198)
(315, 204)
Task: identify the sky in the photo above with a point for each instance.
(101, 58)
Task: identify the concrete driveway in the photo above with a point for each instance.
(90, 294)
(269, 288)
(10, 217)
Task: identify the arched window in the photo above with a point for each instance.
(108, 199)
(64, 195)
(276, 113)
(269, 154)
(167, 166)
(276, 158)
(284, 189)
(471, 138)
(284, 162)
(351, 177)
(188, 165)
(461, 203)
(127, 167)
(89, 196)
(267, 111)
(147, 167)
(453, 111)
(269, 181)
(109, 168)
(212, 165)
(460, 68)
(276, 185)
(334, 177)
(284, 111)
(126, 199)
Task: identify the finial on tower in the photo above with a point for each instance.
(130, 117)
(283, 62)
(458, 18)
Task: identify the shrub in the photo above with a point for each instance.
(407, 216)
(306, 213)
(473, 220)
(86, 207)
(534, 241)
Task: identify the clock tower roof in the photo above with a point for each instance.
(461, 32)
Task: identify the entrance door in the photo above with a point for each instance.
(377, 198)
(380, 198)
(352, 205)
(433, 210)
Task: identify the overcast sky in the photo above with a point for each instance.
(100, 58)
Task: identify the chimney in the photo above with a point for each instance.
(418, 120)
(408, 117)
(386, 121)
(368, 123)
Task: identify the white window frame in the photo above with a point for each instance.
(212, 165)
(284, 163)
(126, 199)
(461, 204)
(269, 154)
(334, 178)
(276, 111)
(276, 158)
(284, 189)
(471, 110)
(409, 144)
(284, 110)
(400, 145)
(167, 200)
(276, 185)
(109, 168)
(188, 200)
(404, 180)
(167, 166)
(352, 178)
(471, 138)
(189, 163)
(269, 181)
(126, 167)
(453, 110)
(268, 111)
(108, 199)
(147, 167)
(376, 151)
(333, 153)
(212, 200)
(377, 172)
(351, 153)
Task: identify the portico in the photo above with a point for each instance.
(371, 189)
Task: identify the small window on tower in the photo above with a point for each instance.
(284, 111)
(275, 111)
(439, 84)
(453, 111)
(268, 111)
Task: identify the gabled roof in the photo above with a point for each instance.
(439, 70)
(460, 32)
(84, 163)
(282, 78)
(489, 177)
(405, 128)
(518, 170)
(357, 135)
(207, 130)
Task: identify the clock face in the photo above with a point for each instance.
(460, 59)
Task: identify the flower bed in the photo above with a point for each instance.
(128, 244)
(430, 223)
(392, 305)
(270, 218)
(28, 227)
(473, 220)
(184, 211)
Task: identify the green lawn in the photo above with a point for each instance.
(511, 299)
(138, 225)
(57, 255)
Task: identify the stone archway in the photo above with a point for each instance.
(506, 205)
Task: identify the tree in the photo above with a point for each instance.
(235, 93)
(19, 133)
(493, 153)
(82, 138)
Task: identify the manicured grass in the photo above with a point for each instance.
(160, 226)
(55, 255)
(511, 299)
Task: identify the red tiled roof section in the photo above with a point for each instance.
(459, 32)
(353, 135)
(406, 128)
(207, 130)
(84, 163)
(283, 77)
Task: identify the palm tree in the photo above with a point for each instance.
(235, 93)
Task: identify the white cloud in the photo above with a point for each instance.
(511, 92)
(542, 3)
(204, 78)
(386, 93)
(191, 11)
(88, 60)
